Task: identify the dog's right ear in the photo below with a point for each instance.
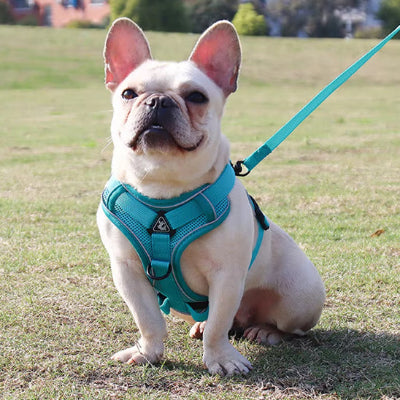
(125, 49)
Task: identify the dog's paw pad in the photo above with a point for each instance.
(263, 334)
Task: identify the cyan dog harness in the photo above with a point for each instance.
(161, 229)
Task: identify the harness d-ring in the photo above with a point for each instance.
(158, 278)
(238, 168)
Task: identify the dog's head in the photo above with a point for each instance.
(166, 123)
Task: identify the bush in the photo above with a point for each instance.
(248, 22)
(83, 24)
(156, 15)
(28, 20)
(6, 16)
(117, 8)
(389, 13)
(368, 33)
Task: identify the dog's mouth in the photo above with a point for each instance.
(156, 136)
(156, 129)
(159, 124)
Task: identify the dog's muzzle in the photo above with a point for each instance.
(160, 110)
(161, 125)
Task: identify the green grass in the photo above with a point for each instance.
(333, 184)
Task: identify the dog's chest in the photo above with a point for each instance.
(160, 231)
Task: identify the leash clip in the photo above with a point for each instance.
(238, 168)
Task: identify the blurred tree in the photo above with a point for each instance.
(6, 16)
(157, 15)
(117, 8)
(259, 5)
(203, 13)
(389, 13)
(248, 22)
(315, 18)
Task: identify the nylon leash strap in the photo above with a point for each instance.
(274, 141)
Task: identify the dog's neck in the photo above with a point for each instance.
(166, 179)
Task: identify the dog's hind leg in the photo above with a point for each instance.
(264, 334)
(197, 330)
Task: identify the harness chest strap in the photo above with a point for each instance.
(160, 230)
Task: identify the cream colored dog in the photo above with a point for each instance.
(182, 150)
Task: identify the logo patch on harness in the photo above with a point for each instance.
(160, 225)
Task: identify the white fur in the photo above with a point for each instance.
(217, 263)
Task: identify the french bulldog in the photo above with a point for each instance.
(166, 132)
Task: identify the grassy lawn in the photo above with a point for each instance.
(331, 185)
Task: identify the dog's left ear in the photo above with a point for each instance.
(217, 53)
(125, 49)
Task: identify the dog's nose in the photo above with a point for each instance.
(155, 102)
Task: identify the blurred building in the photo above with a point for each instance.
(58, 13)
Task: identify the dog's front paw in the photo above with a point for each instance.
(226, 361)
(139, 355)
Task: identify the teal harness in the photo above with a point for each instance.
(161, 229)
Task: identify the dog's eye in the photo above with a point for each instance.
(128, 94)
(196, 97)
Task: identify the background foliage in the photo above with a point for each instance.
(203, 13)
(389, 13)
(248, 22)
(316, 18)
(156, 15)
(312, 18)
(5, 13)
(334, 185)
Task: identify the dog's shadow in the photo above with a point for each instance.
(346, 363)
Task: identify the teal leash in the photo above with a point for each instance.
(274, 141)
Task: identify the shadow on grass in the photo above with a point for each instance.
(343, 364)
(346, 363)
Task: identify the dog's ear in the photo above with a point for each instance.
(217, 53)
(125, 49)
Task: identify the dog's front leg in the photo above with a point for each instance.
(141, 299)
(220, 357)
